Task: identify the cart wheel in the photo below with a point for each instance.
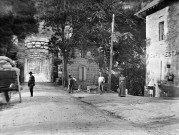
(7, 96)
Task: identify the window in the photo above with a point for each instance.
(161, 31)
(82, 73)
(83, 54)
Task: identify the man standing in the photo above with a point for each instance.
(31, 83)
(101, 81)
(70, 84)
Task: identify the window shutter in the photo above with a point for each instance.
(84, 73)
(80, 73)
(161, 31)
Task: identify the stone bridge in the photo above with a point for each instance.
(38, 60)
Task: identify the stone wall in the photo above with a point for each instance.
(155, 49)
(173, 40)
(21, 59)
(159, 54)
(92, 71)
(173, 44)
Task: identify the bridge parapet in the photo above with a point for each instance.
(37, 45)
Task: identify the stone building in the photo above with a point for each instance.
(83, 68)
(162, 47)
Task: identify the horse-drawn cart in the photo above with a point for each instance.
(9, 81)
(9, 78)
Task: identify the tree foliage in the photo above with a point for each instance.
(16, 19)
(129, 40)
(90, 24)
(65, 18)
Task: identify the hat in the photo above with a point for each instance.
(30, 72)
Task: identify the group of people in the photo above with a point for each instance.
(71, 83)
(72, 80)
(101, 82)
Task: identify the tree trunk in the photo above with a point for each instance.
(65, 73)
(55, 67)
(21, 57)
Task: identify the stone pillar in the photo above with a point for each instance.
(21, 58)
(25, 70)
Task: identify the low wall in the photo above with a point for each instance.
(166, 90)
(170, 90)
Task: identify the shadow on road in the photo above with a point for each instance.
(4, 106)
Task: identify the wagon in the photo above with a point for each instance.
(9, 81)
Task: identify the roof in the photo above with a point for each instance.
(149, 6)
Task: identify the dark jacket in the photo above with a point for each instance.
(31, 81)
(71, 82)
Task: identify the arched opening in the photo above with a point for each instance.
(38, 61)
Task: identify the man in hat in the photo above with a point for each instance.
(71, 82)
(31, 83)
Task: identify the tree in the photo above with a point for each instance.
(16, 20)
(90, 25)
(129, 44)
(65, 18)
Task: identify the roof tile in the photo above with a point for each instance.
(150, 5)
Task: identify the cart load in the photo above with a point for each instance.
(7, 64)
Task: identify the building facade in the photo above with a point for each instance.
(84, 69)
(162, 47)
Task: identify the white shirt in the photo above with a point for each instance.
(101, 79)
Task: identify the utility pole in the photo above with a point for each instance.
(111, 53)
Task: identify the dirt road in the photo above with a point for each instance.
(54, 111)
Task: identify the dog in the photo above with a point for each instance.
(92, 88)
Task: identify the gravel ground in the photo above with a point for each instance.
(53, 111)
(156, 115)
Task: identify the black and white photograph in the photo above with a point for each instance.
(89, 67)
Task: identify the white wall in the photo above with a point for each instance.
(156, 50)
